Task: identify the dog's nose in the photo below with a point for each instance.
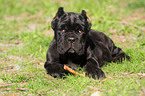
(71, 39)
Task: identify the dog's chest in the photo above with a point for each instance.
(72, 65)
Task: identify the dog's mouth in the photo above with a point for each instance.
(71, 50)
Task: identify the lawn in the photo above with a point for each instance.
(25, 35)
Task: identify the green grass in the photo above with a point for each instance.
(25, 35)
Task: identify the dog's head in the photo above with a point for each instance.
(70, 31)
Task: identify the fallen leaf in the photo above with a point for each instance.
(1, 81)
(143, 74)
(143, 89)
(97, 93)
(22, 89)
(138, 83)
(91, 87)
(6, 89)
(7, 85)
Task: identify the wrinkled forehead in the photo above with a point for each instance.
(71, 19)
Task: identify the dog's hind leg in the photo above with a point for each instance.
(118, 55)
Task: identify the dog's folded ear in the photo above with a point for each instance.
(59, 13)
(83, 13)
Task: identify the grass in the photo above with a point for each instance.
(25, 35)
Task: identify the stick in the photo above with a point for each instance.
(73, 71)
(22, 89)
(7, 85)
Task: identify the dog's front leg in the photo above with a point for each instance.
(55, 69)
(92, 69)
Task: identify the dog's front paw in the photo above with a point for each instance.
(95, 73)
(57, 75)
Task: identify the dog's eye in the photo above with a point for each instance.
(62, 30)
(81, 31)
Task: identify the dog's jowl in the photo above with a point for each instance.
(74, 41)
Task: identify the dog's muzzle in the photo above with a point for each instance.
(71, 50)
(71, 39)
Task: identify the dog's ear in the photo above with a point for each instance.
(83, 13)
(59, 13)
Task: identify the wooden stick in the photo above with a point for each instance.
(76, 73)
(73, 71)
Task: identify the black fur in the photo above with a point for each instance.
(75, 41)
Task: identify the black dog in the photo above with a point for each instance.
(75, 44)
